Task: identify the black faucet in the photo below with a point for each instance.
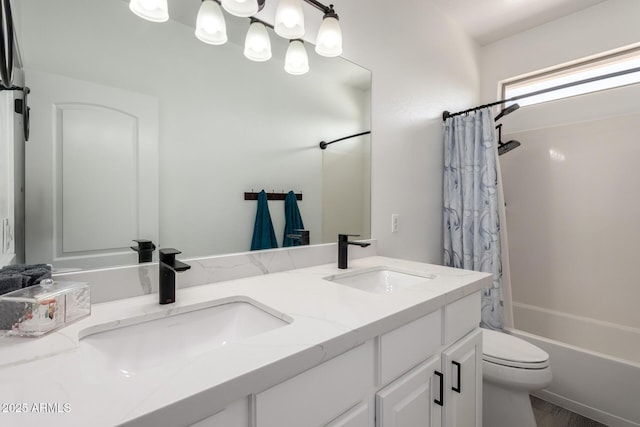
(145, 250)
(168, 267)
(303, 237)
(343, 246)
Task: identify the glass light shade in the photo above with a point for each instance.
(257, 45)
(289, 19)
(329, 41)
(151, 10)
(242, 8)
(210, 25)
(296, 62)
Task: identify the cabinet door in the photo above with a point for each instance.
(358, 416)
(410, 400)
(462, 367)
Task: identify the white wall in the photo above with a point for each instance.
(422, 64)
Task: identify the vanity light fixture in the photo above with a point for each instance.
(296, 62)
(329, 41)
(241, 8)
(257, 45)
(289, 19)
(210, 24)
(211, 27)
(151, 10)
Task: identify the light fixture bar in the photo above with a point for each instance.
(320, 6)
(266, 24)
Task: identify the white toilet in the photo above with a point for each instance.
(511, 368)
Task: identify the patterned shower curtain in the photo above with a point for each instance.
(471, 205)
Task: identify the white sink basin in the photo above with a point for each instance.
(381, 280)
(176, 339)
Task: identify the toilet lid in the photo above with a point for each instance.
(507, 350)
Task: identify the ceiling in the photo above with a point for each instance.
(487, 21)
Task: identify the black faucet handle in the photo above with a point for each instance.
(145, 250)
(168, 256)
(345, 237)
(145, 243)
(180, 266)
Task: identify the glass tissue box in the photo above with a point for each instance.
(39, 309)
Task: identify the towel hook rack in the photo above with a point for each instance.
(251, 195)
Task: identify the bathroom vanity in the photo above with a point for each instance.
(386, 343)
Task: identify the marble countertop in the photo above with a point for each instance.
(49, 379)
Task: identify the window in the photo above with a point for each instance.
(605, 72)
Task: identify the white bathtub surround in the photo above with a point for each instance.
(615, 340)
(124, 282)
(570, 286)
(327, 319)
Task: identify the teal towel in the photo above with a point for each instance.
(263, 235)
(293, 220)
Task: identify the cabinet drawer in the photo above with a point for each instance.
(405, 347)
(461, 317)
(320, 394)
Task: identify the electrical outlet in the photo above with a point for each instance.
(394, 223)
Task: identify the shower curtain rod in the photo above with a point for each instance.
(446, 114)
(324, 144)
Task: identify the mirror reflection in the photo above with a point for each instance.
(141, 131)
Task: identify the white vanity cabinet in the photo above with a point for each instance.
(462, 368)
(445, 390)
(426, 373)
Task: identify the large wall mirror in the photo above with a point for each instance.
(141, 131)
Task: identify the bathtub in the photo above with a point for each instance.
(595, 365)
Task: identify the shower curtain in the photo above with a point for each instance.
(472, 205)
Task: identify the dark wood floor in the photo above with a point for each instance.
(550, 415)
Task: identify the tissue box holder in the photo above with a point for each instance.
(39, 309)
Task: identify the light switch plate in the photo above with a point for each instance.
(394, 223)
